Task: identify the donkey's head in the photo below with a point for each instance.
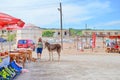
(46, 44)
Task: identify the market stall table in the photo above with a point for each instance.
(19, 57)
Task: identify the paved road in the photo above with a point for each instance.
(75, 67)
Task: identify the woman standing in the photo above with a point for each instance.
(39, 48)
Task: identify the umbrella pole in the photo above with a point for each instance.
(1, 46)
(9, 46)
(9, 41)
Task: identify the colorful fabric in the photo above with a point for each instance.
(5, 62)
(0, 60)
(4, 74)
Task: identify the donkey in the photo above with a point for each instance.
(53, 47)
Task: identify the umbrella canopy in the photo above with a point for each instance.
(9, 22)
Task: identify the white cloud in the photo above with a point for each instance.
(38, 12)
(81, 13)
(43, 13)
(110, 23)
(41, 16)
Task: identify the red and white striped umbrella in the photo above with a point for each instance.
(9, 22)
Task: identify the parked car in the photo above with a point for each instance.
(26, 43)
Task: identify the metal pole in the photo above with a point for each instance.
(60, 9)
(86, 33)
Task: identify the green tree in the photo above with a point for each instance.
(11, 37)
(48, 33)
(74, 32)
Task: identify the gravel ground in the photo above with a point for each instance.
(74, 67)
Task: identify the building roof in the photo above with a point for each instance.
(30, 26)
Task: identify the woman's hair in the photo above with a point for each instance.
(39, 40)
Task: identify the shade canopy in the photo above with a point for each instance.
(114, 37)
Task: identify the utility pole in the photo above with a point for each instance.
(86, 33)
(60, 9)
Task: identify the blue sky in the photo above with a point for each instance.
(98, 14)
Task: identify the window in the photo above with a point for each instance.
(58, 33)
(65, 33)
(116, 33)
(108, 33)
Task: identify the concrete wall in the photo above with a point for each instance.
(29, 32)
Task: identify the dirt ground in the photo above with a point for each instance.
(74, 65)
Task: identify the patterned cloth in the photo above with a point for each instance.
(5, 62)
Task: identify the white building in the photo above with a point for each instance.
(29, 31)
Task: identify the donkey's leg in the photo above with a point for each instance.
(59, 51)
(58, 56)
(52, 56)
(49, 56)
